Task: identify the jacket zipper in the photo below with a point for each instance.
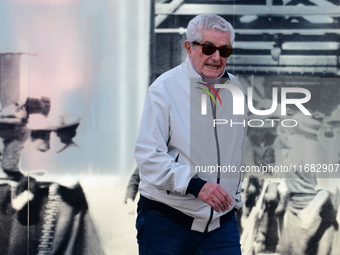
(218, 161)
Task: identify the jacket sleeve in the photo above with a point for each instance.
(156, 166)
(132, 188)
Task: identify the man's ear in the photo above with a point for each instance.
(188, 47)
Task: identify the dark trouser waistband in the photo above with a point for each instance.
(174, 214)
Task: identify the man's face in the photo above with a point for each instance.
(336, 128)
(328, 130)
(210, 66)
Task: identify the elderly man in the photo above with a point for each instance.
(190, 178)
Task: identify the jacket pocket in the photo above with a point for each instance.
(176, 160)
(177, 157)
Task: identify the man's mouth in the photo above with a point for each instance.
(212, 66)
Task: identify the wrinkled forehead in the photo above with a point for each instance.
(216, 36)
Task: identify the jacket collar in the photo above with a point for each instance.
(189, 70)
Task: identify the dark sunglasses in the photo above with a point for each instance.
(209, 49)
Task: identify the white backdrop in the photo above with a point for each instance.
(91, 58)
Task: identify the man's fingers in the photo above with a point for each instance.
(221, 202)
(215, 196)
(213, 205)
(225, 195)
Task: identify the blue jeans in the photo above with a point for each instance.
(157, 235)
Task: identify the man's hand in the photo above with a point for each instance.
(215, 196)
(130, 206)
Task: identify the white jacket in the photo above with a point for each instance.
(176, 143)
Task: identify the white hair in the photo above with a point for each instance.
(211, 22)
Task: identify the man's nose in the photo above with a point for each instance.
(44, 146)
(216, 55)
